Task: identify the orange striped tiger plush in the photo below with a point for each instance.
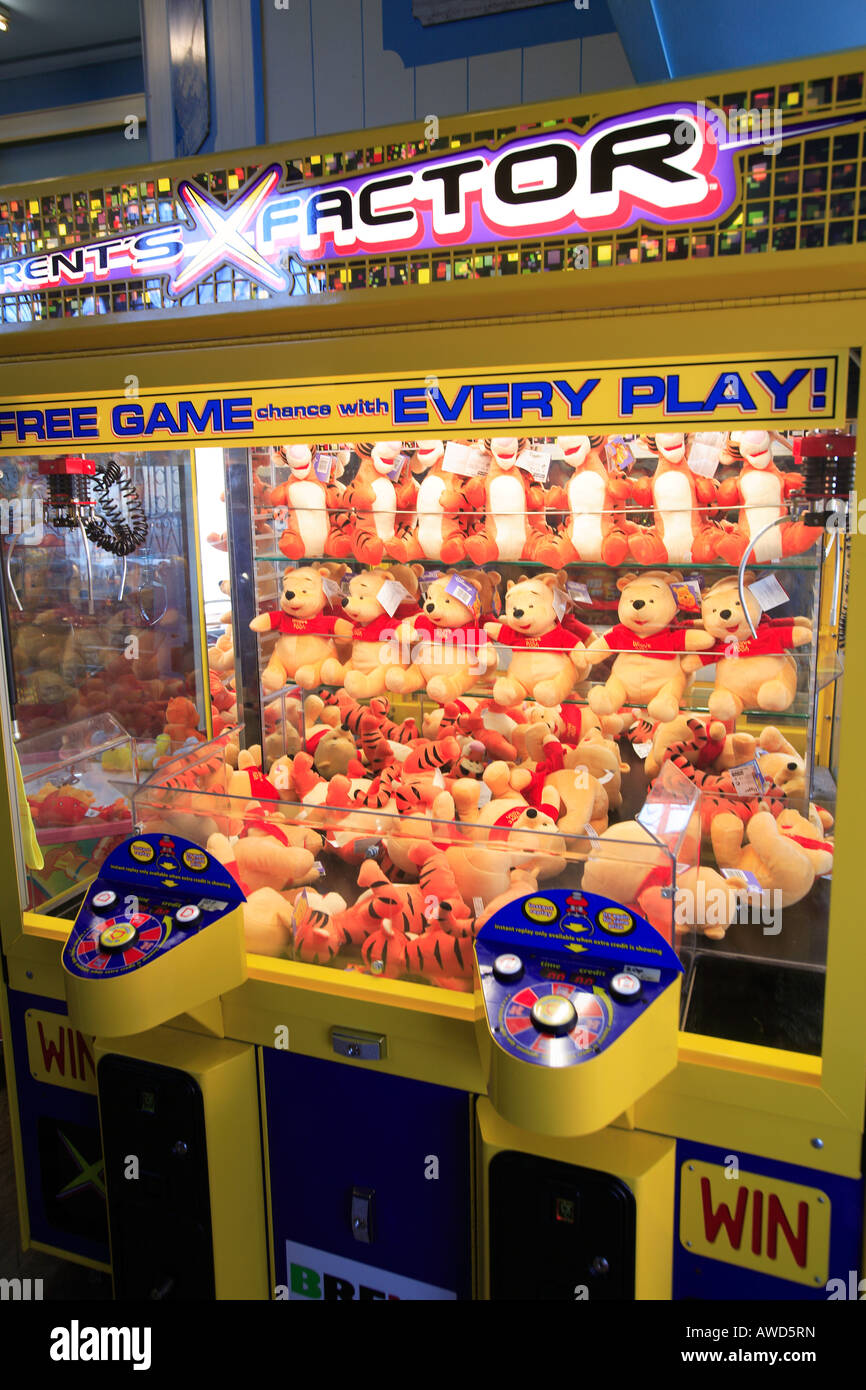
(374, 499)
(351, 714)
(392, 921)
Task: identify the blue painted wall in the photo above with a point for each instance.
(71, 154)
(740, 33)
(70, 86)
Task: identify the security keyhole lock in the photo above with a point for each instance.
(362, 1214)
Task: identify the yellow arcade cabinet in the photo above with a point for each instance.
(551, 979)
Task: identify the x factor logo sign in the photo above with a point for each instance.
(223, 234)
(664, 166)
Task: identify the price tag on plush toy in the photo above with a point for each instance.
(705, 453)
(464, 593)
(618, 453)
(331, 590)
(751, 880)
(323, 464)
(768, 591)
(688, 595)
(560, 603)
(391, 594)
(400, 463)
(578, 592)
(463, 459)
(484, 795)
(536, 462)
(747, 779)
(643, 749)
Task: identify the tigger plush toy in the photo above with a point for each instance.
(513, 508)
(310, 506)
(681, 501)
(441, 508)
(422, 928)
(594, 501)
(374, 498)
(762, 491)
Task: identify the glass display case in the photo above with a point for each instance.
(334, 883)
(77, 786)
(392, 697)
(446, 643)
(103, 644)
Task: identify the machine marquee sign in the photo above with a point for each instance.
(795, 391)
(666, 165)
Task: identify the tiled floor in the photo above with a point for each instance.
(61, 1279)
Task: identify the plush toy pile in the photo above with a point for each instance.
(443, 738)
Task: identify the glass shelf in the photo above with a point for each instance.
(695, 700)
(808, 562)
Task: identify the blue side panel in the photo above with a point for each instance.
(697, 1277)
(419, 44)
(642, 38)
(61, 1142)
(332, 1128)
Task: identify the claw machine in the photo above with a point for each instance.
(425, 733)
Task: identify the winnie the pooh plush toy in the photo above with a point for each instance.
(627, 863)
(560, 763)
(450, 651)
(555, 782)
(266, 858)
(305, 626)
(649, 666)
(751, 672)
(499, 838)
(547, 660)
(377, 602)
(786, 853)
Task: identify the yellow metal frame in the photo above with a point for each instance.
(227, 1075)
(200, 616)
(190, 975)
(785, 1106)
(577, 1101)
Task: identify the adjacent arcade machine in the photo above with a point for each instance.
(431, 659)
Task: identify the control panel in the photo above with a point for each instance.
(567, 978)
(160, 931)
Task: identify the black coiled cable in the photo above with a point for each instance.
(107, 526)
